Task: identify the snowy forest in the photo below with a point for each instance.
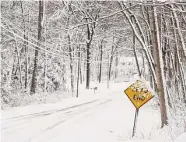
(66, 46)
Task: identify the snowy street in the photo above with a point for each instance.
(107, 118)
(93, 71)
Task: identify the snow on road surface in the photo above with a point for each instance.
(100, 118)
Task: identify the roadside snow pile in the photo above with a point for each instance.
(150, 114)
(141, 141)
(22, 98)
(181, 138)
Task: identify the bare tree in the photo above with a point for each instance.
(161, 88)
(34, 74)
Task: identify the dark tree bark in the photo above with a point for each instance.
(113, 51)
(110, 64)
(90, 32)
(108, 71)
(34, 75)
(78, 72)
(111, 59)
(88, 58)
(101, 58)
(71, 65)
(116, 65)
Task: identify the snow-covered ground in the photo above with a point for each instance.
(106, 116)
(181, 138)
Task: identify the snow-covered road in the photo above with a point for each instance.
(99, 119)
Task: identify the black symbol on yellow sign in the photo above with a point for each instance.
(138, 94)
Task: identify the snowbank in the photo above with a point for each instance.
(141, 141)
(181, 138)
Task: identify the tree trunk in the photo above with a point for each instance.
(161, 88)
(19, 63)
(90, 33)
(149, 19)
(88, 59)
(101, 58)
(108, 72)
(116, 65)
(71, 65)
(46, 56)
(111, 58)
(25, 45)
(135, 54)
(34, 75)
(78, 73)
(110, 65)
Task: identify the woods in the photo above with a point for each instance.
(56, 45)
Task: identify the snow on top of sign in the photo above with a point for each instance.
(147, 85)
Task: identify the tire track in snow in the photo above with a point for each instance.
(70, 113)
(79, 113)
(46, 112)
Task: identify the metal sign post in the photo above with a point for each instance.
(138, 94)
(135, 120)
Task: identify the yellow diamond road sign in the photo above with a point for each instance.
(138, 94)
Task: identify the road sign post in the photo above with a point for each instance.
(138, 94)
(135, 120)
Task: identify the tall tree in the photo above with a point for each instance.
(34, 74)
(100, 60)
(25, 45)
(161, 88)
(90, 33)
